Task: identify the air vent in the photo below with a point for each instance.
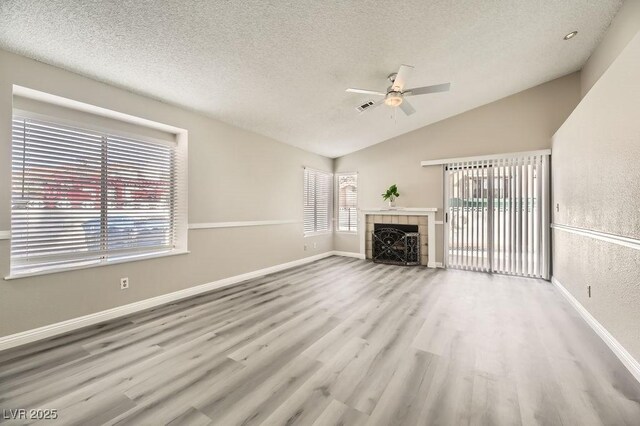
(364, 106)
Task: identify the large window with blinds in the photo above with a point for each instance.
(317, 201)
(347, 212)
(82, 197)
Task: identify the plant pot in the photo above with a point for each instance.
(392, 203)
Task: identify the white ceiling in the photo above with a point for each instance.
(280, 68)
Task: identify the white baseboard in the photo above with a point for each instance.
(349, 254)
(51, 330)
(627, 359)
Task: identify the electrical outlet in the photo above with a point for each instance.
(124, 283)
(315, 245)
(557, 207)
(589, 290)
(305, 247)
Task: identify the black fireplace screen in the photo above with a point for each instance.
(395, 246)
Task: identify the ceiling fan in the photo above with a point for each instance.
(396, 93)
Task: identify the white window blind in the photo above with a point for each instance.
(498, 215)
(83, 197)
(317, 201)
(347, 184)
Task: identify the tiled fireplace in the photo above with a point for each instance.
(424, 219)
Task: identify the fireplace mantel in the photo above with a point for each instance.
(430, 212)
(408, 211)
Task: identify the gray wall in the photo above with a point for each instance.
(234, 175)
(595, 183)
(622, 29)
(522, 122)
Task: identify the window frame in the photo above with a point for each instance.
(329, 229)
(179, 182)
(337, 202)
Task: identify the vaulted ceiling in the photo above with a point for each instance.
(280, 68)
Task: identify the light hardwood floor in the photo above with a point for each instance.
(336, 342)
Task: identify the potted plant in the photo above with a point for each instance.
(391, 195)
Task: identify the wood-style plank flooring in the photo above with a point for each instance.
(336, 342)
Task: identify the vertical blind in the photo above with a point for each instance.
(82, 197)
(317, 201)
(347, 184)
(498, 215)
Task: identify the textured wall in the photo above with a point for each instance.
(522, 122)
(623, 28)
(613, 273)
(596, 185)
(234, 175)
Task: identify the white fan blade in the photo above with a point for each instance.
(401, 78)
(407, 108)
(367, 92)
(428, 89)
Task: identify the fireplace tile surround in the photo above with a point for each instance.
(423, 217)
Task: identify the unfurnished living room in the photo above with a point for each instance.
(316, 212)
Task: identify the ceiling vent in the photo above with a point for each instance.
(364, 106)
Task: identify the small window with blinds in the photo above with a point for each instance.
(347, 187)
(317, 201)
(83, 197)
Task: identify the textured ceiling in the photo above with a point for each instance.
(280, 68)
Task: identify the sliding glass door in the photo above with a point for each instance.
(497, 214)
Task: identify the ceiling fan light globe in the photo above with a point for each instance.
(393, 99)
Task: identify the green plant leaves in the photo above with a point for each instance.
(392, 192)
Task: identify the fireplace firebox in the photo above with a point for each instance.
(396, 244)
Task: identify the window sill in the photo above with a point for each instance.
(347, 232)
(108, 263)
